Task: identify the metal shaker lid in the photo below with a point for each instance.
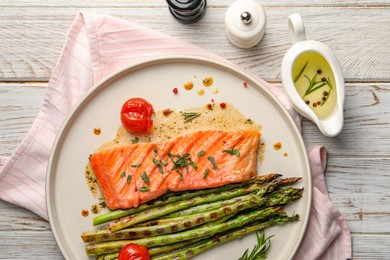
(245, 22)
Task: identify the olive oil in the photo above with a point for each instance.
(315, 83)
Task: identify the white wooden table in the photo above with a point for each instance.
(32, 33)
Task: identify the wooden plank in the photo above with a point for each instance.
(32, 41)
(367, 115)
(210, 4)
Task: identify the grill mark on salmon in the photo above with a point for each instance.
(113, 166)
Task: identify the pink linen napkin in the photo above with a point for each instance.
(98, 45)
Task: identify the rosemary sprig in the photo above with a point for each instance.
(259, 251)
(300, 72)
(189, 116)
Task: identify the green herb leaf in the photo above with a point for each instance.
(135, 140)
(201, 153)
(189, 116)
(128, 179)
(123, 174)
(300, 72)
(145, 178)
(165, 163)
(212, 160)
(329, 83)
(144, 188)
(192, 164)
(232, 152)
(135, 165)
(160, 167)
(259, 251)
(312, 89)
(155, 151)
(206, 173)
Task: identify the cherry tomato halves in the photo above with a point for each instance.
(134, 252)
(136, 115)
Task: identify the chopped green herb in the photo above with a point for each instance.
(157, 162)
(201, 153)
(249, 121)
(135, 165)
(123, 174)
(189, 116)
(192, 164)
(232, 152)
(128, 179)
(145, 178)
(206, 173)
(155, 151)
(135, 140)
(211, 159)
(181, 175)
(165, 163)
(144, 188)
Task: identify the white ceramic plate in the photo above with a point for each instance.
(68, 193)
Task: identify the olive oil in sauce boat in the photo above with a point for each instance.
(313, 80)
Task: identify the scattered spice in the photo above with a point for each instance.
(285, 154)
(167, 111)
(210, 106)
(188, 85)
(249, 121)
(245, 84)
(175, 91)
(208, 81)
(278, 146)
(222, 105)
(319, 71)
(95, 209)
(97, 131)
(201, 92)
(84, 213)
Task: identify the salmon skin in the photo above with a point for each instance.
(137, 173)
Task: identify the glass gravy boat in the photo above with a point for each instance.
(313, 80)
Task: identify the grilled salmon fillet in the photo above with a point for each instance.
(137, 173)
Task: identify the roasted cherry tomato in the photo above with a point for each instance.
(134, 252)
(136, 115)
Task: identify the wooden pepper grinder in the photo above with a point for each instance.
(187, 11)
(245, 23)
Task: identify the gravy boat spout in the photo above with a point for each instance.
(313, 80)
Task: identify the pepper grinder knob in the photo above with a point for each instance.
(187, 11)
(245, 22)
